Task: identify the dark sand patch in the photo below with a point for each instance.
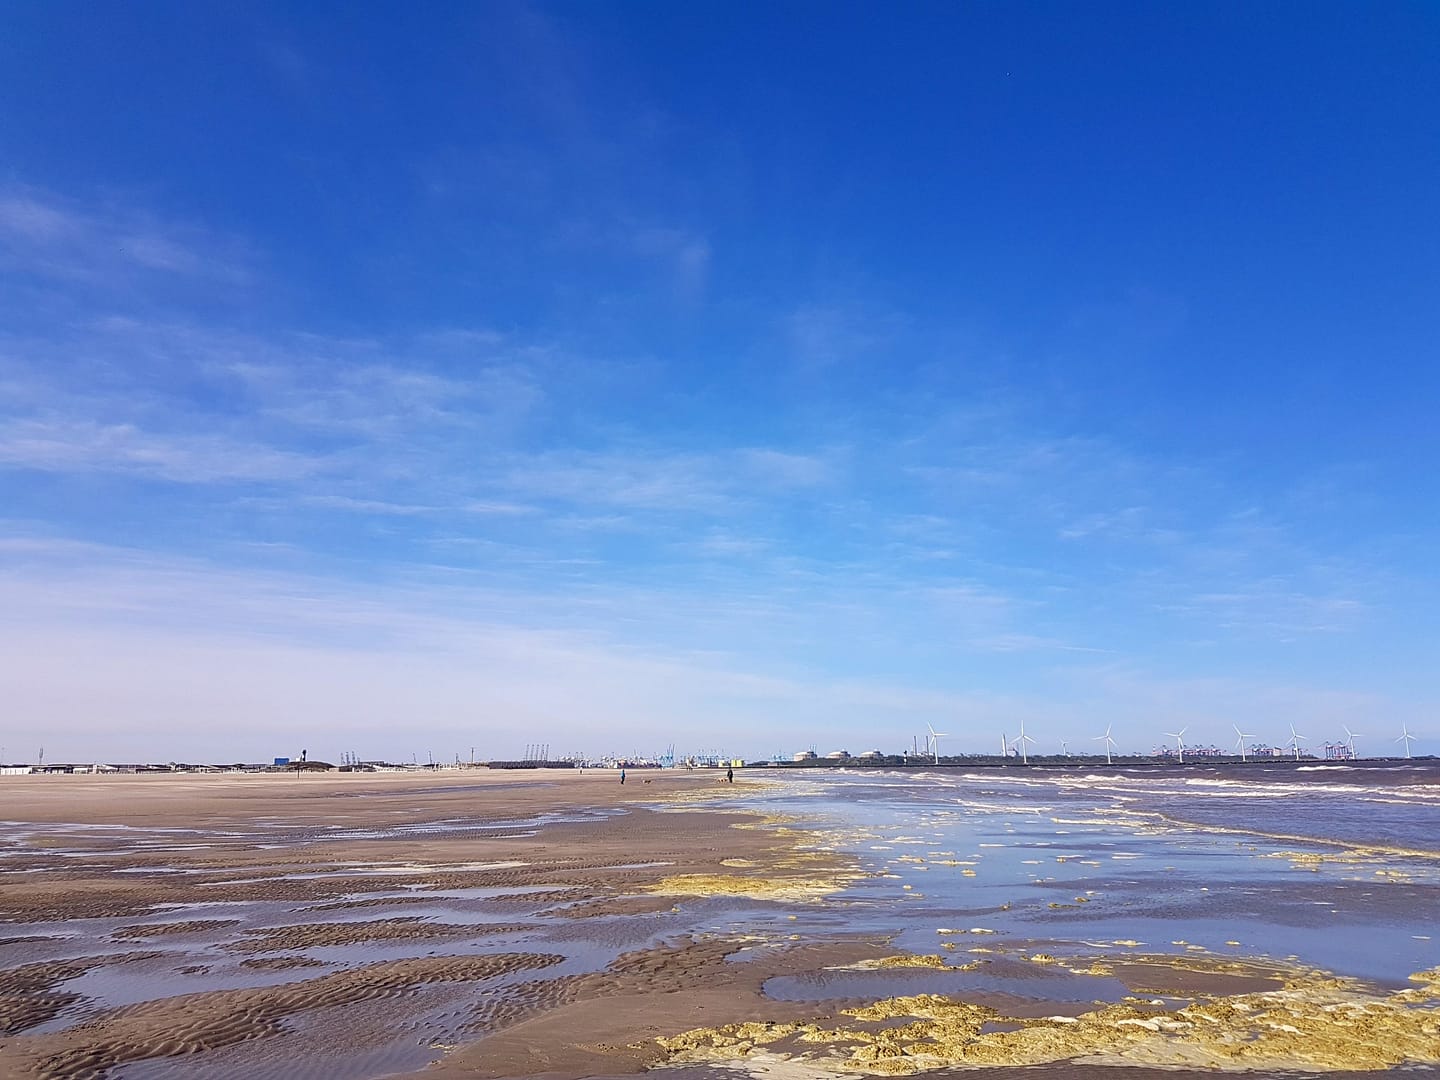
(193, 926)
(320, 935)
(618, 906)
(280, 963)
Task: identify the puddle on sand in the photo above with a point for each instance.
(116, 985)
(1001, 977)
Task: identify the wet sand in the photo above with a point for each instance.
(477, 924)
(157, 926)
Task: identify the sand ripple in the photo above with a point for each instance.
(194, 926)
(198, 1022)
(319, 935)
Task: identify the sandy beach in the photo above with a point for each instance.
(548, 923)
(216, 914)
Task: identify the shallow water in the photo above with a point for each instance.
(1015, 978)
(1182, 861)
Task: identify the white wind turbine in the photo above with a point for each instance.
(935, 737)
(1020, 741)
(1004, 745)
(1352, 737)
(1064, 747)
(1179, 737)
(1241, 741)
(1405, 737)
(1109, 742)
(1295, 738)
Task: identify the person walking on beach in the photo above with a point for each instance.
(730, 776)
(622, 774)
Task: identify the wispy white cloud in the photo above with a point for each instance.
(660, 479)
(425, 434)
(967, 597)
(1028, 643)
(364, 506)
(788, 469)
(1274, 607)
(726, 545)
(684, 253)
(1066, 472)
(338, 395)
(629, 480)
(84, 446)
(191, 405)
(1129, 523)
(497, 509)
(49, 236)
(367, 388)
(257, 649)
(267, 657)
(824, 334)
(549, 521)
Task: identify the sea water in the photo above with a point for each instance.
(1336, 867)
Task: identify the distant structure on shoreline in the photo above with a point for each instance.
(918, 756)
(1161, 757)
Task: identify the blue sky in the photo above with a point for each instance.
(748, 379)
